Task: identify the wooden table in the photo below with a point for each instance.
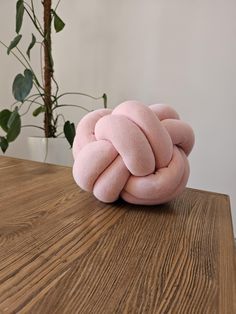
(62, 251)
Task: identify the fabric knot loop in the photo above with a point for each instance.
(135, 151)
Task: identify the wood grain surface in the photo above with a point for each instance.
(62, 251)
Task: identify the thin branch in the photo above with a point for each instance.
(71, 105)
(14, 55)
(57, 87)
(31, 103)
(27, 99)
(35, 17)
(60, 134)
(56, 93)
(33, 21)
(56, 120)
(12, 105)
(32, 126)
(57, 5)
(61, 115)
(81, 94)
(41, 61)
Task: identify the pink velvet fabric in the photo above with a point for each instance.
(135, 151)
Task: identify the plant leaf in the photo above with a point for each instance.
(14, 126)
(104, 96)
(36, 80)
(3, 144)
(22, 85)
(69, 131)
(12, 118)
(14, 43)
(19, 14)
(31, 45)
(28, 74)
(38, 110)
(4, 118)
(58, 23)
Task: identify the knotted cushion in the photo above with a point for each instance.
(134, 151)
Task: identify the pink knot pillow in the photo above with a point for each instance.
(136, 152)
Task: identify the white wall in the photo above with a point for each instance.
(178, 52)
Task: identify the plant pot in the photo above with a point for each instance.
(50, 150)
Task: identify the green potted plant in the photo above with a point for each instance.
(34, 94)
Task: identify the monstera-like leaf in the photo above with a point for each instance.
(22, 85)
(69, 131)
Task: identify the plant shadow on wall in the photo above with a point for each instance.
(47, 99)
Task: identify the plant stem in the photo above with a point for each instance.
(41, 61)
(57, 87)
(81, 94)
(48, 70)
(31, 103)
(14, 55)
(33, 19)
(57, 119)
(59, 134)
(57, 5)
(27, 99)
(32, 126)
(61, 115)
(71, 105)
(35, 24)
